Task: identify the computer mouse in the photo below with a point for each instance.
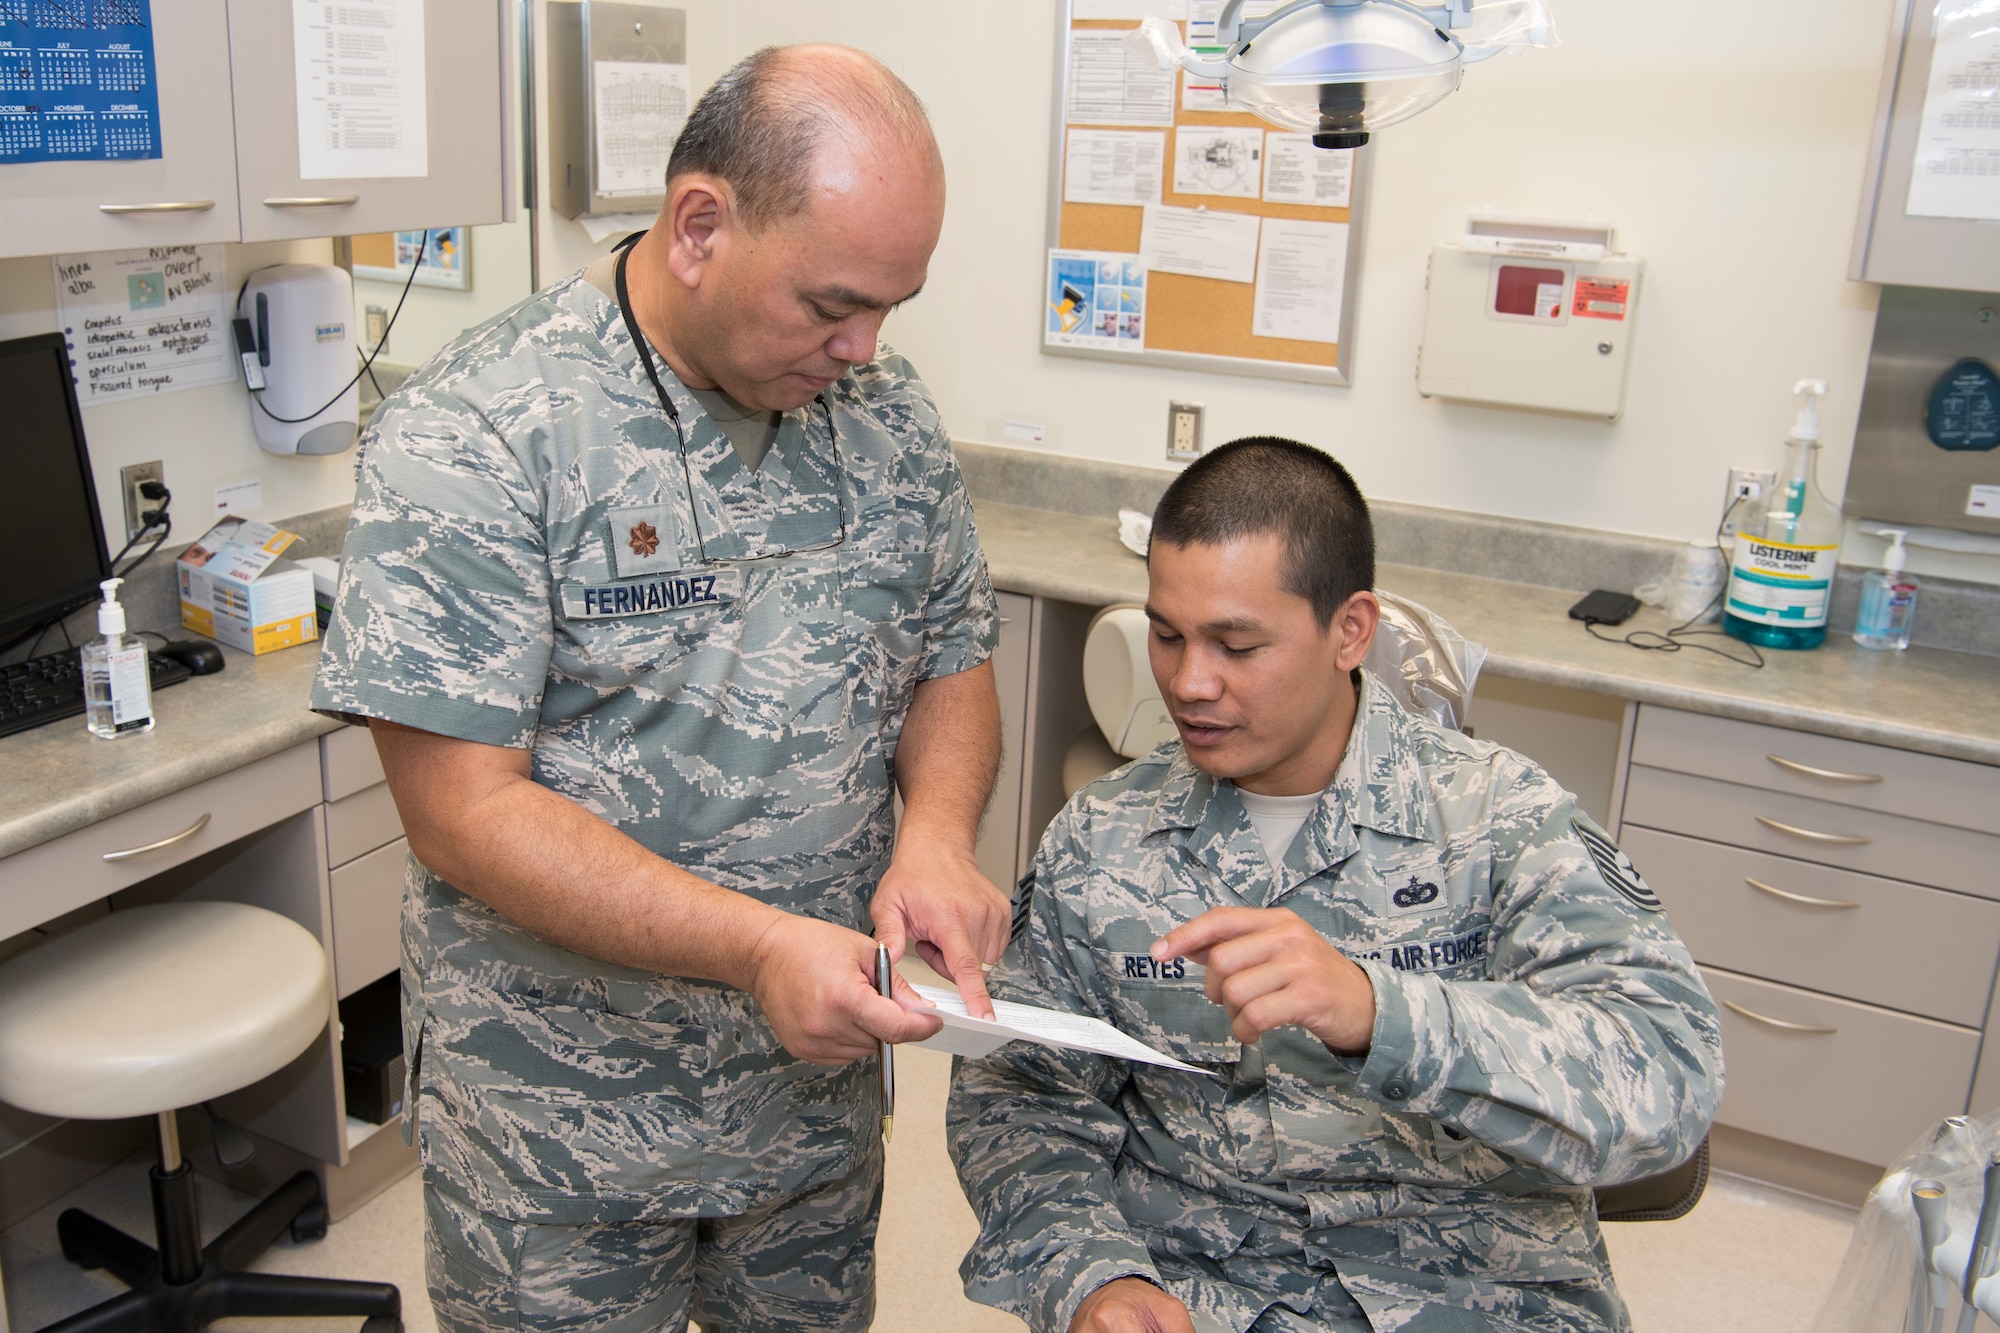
(197, 655)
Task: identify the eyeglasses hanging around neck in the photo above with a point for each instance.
(680, 440)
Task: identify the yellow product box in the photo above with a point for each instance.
(237, 590)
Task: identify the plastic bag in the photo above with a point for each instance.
(1883, 1285)
(1428, 666)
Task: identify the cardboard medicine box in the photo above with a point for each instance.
(236, 590)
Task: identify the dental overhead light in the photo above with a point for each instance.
(1341, 69)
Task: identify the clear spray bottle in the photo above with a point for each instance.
(1781, 576)
(117, 680)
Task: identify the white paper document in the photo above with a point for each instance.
(1113, 83)
(359, 69)
(143, 322)
(1956, 171)
(1301, 267)
(1295, 172)
(638, 108)
(1114, 166)
(1199, 243)
(1129, 9)
(974, 1037)
(1218, 159)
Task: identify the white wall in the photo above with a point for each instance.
(1724, 140)
(1727, 148)
(203, 436)
(433, 316)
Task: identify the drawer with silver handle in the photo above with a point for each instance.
(1924, 951)
(1868, 841)
(46, 880)
(1845, 1078)
(1873, 777)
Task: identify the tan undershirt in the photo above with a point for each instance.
(752, 432)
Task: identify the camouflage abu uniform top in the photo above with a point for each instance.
(522, 569)
(1539, 1027)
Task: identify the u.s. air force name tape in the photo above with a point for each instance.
(638, 597)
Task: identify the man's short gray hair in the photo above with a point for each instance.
(761, 126)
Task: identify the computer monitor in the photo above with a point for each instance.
(52, 552)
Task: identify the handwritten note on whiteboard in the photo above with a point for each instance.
(359, 67)
(144, 322)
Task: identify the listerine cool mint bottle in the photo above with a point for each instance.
(1781, 578)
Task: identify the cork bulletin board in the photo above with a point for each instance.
(1185, 234)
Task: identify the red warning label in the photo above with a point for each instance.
(1601, 298)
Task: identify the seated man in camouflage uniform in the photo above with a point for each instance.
(1434, 1003)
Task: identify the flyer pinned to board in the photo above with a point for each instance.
(144, 322)
(1095, 299)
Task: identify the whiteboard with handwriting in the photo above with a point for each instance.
(143, 322)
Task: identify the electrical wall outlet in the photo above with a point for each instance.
(1183, 431)
(1747, 485)
(130, 478)
(375, 327)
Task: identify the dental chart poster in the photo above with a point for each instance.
(144, 322)
(639, 107)
(78, 81)
(1096, 300)
(362, 103)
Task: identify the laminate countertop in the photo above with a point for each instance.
(1935, 702)
(56, 779)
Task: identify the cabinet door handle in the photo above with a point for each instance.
(176, 206)
(1783, 1024)
(313, 201)
(1830, 774)
(1798, 898)
(168, 841)
(1832, 839)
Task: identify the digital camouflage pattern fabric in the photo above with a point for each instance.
(1539, 1029)
(524, 568)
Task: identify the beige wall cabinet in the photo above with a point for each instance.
(186, 196)
(229, 169)
(466, 106)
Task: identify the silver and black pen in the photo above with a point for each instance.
(885, 982)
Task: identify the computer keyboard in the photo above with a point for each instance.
(49, 688)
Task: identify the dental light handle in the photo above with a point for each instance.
(1979, 1261)
(1927, 1197)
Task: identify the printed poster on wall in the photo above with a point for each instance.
(359, 66)
(144, 322)
(1096, 299)
(78, 82)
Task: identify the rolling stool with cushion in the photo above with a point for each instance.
(149, 1010)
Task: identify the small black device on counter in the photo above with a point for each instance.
(371, 1050)
(1603, 607)
(199, 656)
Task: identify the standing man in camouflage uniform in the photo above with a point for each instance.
(657, 587)
(1434, 1002)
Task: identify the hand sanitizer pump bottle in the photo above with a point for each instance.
(117, 680)
(1888, 599)
(1781, 578)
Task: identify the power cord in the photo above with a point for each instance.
(152, 518)
(367, 365)
(1683, 635)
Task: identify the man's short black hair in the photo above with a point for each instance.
(1263, 483)
(763, 123)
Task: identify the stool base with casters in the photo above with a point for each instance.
(183, 1286)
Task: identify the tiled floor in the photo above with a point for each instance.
(1749, 1259)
